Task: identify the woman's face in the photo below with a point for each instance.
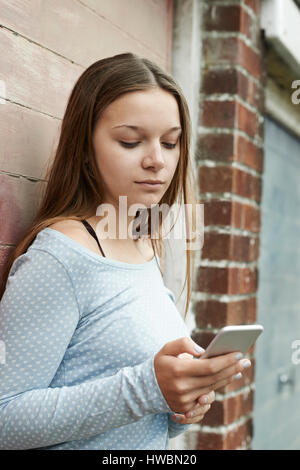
(149, 150)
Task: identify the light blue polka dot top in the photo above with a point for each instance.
(80, 333)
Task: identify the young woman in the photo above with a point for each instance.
(97, 355)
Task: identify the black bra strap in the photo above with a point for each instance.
(92, 232)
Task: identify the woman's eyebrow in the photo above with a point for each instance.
(176, 128)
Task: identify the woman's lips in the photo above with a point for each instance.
(152, 186)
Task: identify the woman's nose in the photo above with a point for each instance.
(155, 155)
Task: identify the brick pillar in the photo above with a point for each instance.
(230, 164)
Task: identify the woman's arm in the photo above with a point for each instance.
(38, 316)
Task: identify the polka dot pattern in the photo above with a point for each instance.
(81, 332)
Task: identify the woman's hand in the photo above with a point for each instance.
(198, 412)
(183, 380)
(200, 409)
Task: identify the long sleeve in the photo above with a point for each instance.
(176, 428)
(39, 314)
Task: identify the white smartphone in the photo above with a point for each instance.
(233, 338)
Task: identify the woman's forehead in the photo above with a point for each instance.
(137, 110)
(141, 98)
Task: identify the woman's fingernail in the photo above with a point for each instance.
(238, 356)
(238, 376)
(204, 400)
(246, 363)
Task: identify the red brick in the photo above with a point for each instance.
(236, 438)
(232, 51)
(254, 249)
(216, 179)
(239, 437)
(248, 280)
(247, 121)
(218, 114)
(227, 18)
(205, 440)
(246, 185)
(231, 115)
(220, 81)
(250, 60)
(249, 154)
(229, 410)
(221, 213)
(222, 18)
(250, 92)
(229, 148)
(251, 218)
(229, 179)
(245, 87)
(213, 280)
(220, 51)
(227, 280)
(232, 213)
(216, 314)
(234, 82)
(218, 246)
(218, 147)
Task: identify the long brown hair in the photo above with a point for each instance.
(74, 188)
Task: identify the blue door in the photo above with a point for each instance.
(277, 373)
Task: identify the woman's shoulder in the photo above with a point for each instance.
(75, 230)
(68, 227)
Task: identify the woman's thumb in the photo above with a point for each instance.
(182, 345)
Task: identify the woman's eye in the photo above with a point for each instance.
(134, 144)
(170, 146)
(129, 144)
